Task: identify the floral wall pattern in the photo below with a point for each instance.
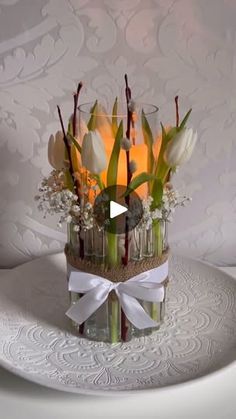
(167, 47)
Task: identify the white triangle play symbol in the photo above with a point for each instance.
(116, 209)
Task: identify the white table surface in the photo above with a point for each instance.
(213, 396)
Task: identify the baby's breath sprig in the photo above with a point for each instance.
(55, 198)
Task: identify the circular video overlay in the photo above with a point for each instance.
(116, 210)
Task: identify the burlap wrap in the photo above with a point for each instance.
(118, 273)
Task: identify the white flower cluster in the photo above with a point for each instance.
(54, 198)
(83, 219)
(170, 200)
(148, 214)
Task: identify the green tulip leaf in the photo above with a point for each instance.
(114, 117)
(99, 181)
(70, 127)
(147, 132)
(149, 141)
(161, 169)
(138, 181)
(163, 130)
(169, 135)
(184, 121)
(114, 159)
(92, 121)
(74, 141)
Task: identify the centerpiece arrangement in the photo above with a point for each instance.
(116, 279)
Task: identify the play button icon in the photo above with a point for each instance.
(116, 209)
(117, 212)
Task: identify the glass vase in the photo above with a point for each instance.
(106, 250)
(109, 323)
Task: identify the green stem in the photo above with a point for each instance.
(112, 249)
(162, 172)
(112, 260)
(158, 243)
(154, 311)
(99, 182)
(157, 237)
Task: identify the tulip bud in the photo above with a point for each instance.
(93, 154)
(56, 151)
(180, 148)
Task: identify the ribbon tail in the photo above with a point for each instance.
(134, 312)
(88, 304)
(151, 292)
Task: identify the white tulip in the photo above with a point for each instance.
(56, 151)
(93, 154)
(180, 148)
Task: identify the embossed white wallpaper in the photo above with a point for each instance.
(167, 47)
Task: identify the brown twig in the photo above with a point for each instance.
(76, 99)
(125, 259)
(128, 99)
(124, 327)
(77, 183)
(129, 174)
(67, 145)
(177, 110)
(74, 127)
(133, 136)
(129, 120)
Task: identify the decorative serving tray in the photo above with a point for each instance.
(37, 342)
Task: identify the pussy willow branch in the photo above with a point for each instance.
(168, 177)
(76, 99)
(177, 110)
(124, 327)
(77, 183)
(129, 120)
(129, 174)
(67, 145)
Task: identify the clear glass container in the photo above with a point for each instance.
(108, 323)
(107, 250)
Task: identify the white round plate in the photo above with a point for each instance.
(37, 343)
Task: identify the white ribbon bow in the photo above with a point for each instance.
(146, 286)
